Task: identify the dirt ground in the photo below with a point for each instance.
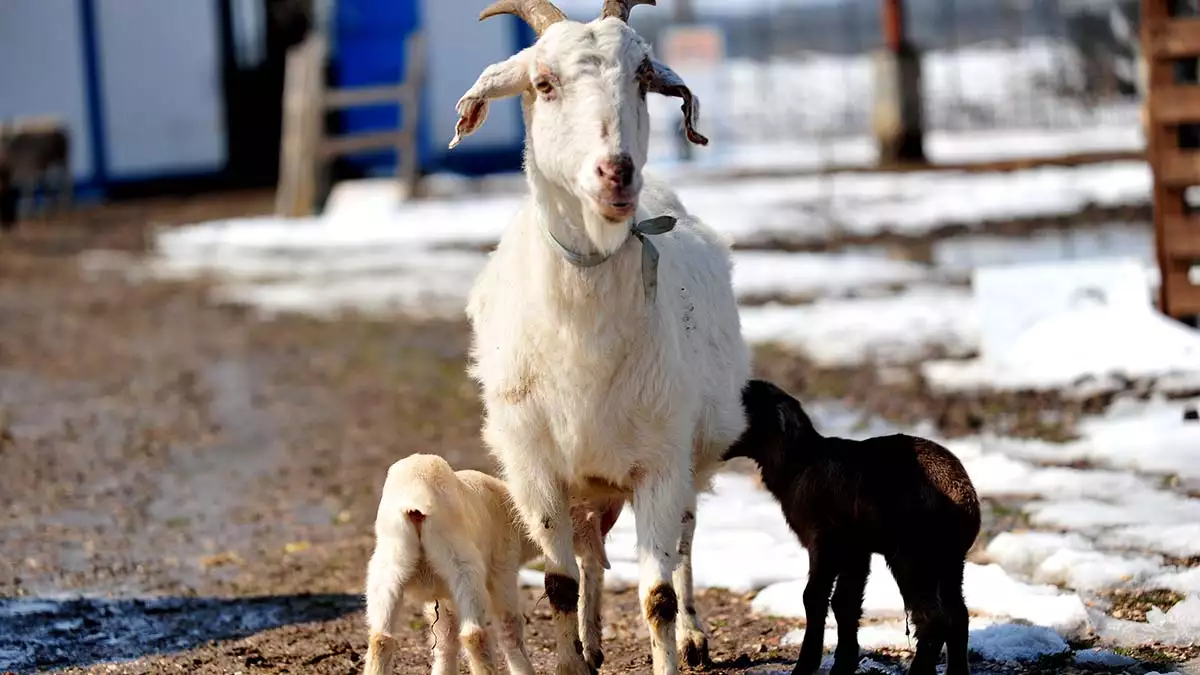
(153, 445)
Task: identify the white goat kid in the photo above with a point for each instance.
(597, 388)
(450, 538)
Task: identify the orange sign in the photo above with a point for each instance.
(692, 45)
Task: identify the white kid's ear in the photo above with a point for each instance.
(667, 82)
(499, 80)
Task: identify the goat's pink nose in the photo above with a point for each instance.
(616, 171)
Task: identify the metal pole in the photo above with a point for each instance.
(893, 25)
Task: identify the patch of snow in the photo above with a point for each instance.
(1024, 552)
(1102, 658)
(1186, 581)
(432, 286)
(813, 274)
(1147, 437)
(1182, 541)
(1109, 241)
(883, 635)
(742, 541)
(1092, 515)
(841, 332)
(807, 208)
(1011, 643)
(1067, 324)
(996, 475)
(1102, 345)
(1069, 560)
(1096, 570)
(989, 591)
(1178, 626)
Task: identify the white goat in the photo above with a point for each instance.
(451, 540)
(597, 388)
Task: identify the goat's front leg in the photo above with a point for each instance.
(658, 506)
(542, 501)
(822, 571)
(692, 640)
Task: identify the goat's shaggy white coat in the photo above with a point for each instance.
(590, 393)
(450, 538)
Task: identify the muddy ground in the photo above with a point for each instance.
(225, 469)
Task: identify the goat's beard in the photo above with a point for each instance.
(582, 219)
(606, 235)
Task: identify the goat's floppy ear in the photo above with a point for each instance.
(667, 82)
(499, 80)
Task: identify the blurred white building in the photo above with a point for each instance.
(188, 91)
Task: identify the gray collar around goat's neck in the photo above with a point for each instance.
(656, 225)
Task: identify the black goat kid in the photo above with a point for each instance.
(906, 498)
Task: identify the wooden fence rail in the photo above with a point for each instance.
(1169, 104)
(306, 150)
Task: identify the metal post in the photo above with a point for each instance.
(893, 25)
(897, 116)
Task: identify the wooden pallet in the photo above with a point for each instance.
(1166, 39)
(305, 151)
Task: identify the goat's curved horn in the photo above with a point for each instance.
(620, 8)
(539, 14)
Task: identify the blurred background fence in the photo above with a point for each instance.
(797, 70)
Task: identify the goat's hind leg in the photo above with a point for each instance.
(691, 638)
(386, 577)
(506, 606)
(958, 619)
(918, 584)
(465, 574)
(443, 637)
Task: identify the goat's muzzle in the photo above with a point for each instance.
(616, 175)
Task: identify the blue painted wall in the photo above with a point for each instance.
(368, 48)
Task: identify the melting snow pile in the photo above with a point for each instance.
(1063, 325)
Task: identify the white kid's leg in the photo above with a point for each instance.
(464, 573)
(385, 598)
(510, 622)
(443, 637)
(658, 506)
(692, 640)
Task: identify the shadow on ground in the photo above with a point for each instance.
(39, 634)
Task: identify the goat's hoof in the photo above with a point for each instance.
(574, 666)
(694, 649)
(844, 666)
(594, 657)
(806, 665)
